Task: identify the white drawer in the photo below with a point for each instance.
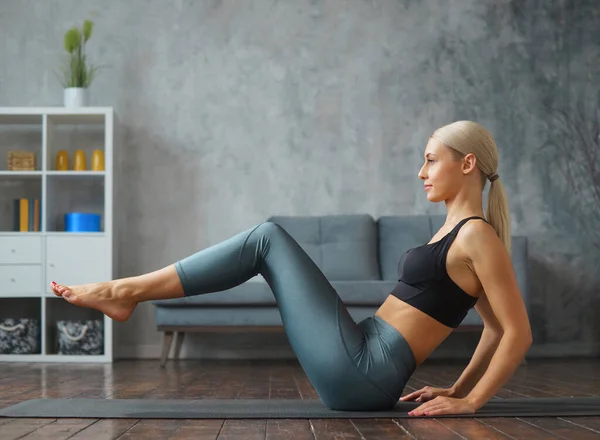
(73, 259)
(20, 250)
(20, 280)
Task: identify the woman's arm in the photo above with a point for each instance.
(512, 348)
(488, 343)
(494, 269)
(479, 363)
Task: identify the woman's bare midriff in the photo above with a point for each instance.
(423, 333)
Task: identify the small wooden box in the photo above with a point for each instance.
(21, 161)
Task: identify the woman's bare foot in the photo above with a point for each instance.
(104, 297)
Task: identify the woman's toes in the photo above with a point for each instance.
(61, 290)
(54, 288)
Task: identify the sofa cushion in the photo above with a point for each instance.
(343, 246)
(230, 316)
(258, 293)
(397, 234)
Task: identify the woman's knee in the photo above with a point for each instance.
(270, 229)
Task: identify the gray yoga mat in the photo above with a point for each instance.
(278, 409)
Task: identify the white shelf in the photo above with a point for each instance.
(19, 174)
(76, 173)
(71, 234)
(24, 178)
(57, 115)
(9, 295)
(20, 118)
(55, 358)
(51, 234)
(71, 257)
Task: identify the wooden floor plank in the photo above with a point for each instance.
(198, 430)
(517, 428)
(570, 381)
(561, 428)
(424, 428)
(293, 429)
(569, 368)
(154, 429)
(59, 429)
(472, 429)
(381, 429)
(243, 430)
(535, 383)
(105, 429)
(592, 423)
(334, 429)
(5, 421)
(17, 428)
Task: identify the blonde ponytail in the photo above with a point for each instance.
(497, 213)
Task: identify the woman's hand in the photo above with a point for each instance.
(427, 393)
(444, 405)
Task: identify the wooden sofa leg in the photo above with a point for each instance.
(167, 339)
(178, 343)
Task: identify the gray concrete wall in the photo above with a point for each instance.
(231, 111)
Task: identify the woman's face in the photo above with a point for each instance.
(441, 174)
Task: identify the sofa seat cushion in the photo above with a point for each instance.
(343, 246)
(228, 316)
(258, 293)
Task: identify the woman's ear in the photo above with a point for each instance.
(469, 163)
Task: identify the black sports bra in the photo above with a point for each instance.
(424, 282)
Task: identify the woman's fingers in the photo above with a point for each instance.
(427, 407)
(412, 395)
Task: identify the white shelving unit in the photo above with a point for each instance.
(29, 261)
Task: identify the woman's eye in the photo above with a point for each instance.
(429, 160)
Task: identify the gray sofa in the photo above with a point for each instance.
(357, 253)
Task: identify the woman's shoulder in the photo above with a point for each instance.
(478, 238)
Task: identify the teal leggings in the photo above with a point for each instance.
(352, 366)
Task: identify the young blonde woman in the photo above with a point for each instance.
(365, 365)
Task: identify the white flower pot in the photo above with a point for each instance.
(75, 97)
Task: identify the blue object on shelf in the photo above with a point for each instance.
(82, 222)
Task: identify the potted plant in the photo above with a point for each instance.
(77, 73)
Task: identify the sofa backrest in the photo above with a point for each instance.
(343, 246)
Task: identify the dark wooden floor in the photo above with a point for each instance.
(274, 380)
